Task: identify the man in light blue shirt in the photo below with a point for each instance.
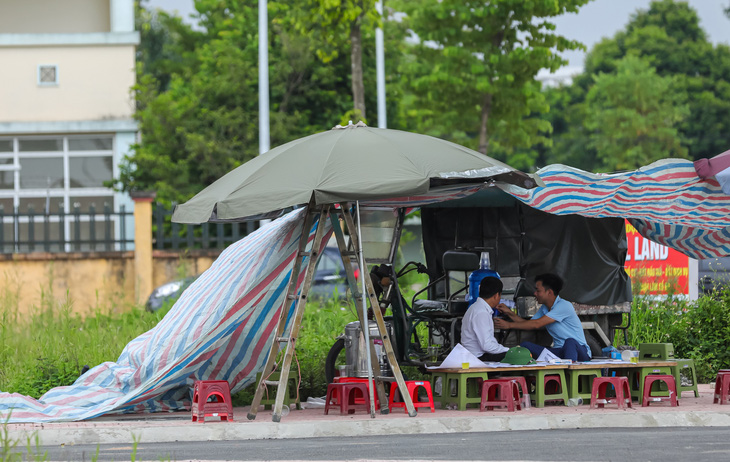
(557, 316)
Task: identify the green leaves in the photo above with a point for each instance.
(634, 116)
(678, 106)
(476, 69)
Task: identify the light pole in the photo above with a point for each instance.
(264, 138)
(380, 69)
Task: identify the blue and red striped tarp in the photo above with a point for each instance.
(665, 201)
(221, 328)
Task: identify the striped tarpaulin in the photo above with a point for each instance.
(665, 201)
(221, 328)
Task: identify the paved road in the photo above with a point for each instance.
(631, 444)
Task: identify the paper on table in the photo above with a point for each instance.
(546, 356)
(458, 356)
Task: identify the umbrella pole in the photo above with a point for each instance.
(280, 339)
(370, 294)
(366, 328)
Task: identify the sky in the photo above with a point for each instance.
(594, 21)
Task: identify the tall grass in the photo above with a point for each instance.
(48, 346)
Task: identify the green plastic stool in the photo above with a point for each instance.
(636, 381)
(585, 378)
(468, 390)
(438, 397)
(656, 351)
(291, 396)
(541, 396)
(688, 366)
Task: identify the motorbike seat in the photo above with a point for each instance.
(432, 309)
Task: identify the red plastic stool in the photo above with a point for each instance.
(219, 394)
(502, 393)
(413, 387)
(359, 400)
(722, 387)
(620, 384)
(671, 385)
(346, 394)
(522, 382)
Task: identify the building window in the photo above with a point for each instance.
(47, 74)
(89, 172)
(57, 175)
(41, 173)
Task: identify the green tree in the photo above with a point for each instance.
(328, 21)
(198, 106)
(473, 71)
(669, 38)
(633, 115)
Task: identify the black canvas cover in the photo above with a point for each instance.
(588, 253)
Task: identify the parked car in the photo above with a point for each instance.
(329, 280)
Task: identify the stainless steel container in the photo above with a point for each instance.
(356, 350)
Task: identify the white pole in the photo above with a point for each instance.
(380, 69)
(366, 329)
(264, 139)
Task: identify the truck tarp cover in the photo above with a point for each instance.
(589, 253)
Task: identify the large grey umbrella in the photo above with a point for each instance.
(349, 163)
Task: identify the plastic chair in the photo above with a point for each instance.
(688, 366)
(660, 351)
(649, 397)
(581, 382)
(600, 386)
(722, 387)
(413, 387)
(219, 392)
(545, 378)
(347, 393)
(502, 393)
(292, 395)
(359, 400)
(524, 388)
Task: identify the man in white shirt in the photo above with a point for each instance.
(477, 327)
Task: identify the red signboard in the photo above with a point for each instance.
(655, 269)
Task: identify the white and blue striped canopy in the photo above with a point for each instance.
(666, 202)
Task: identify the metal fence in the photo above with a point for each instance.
(77, 231)
(174, 236)
(95, 230)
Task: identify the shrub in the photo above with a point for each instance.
(702, 333)
(698, 330)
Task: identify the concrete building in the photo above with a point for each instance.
(66, 72)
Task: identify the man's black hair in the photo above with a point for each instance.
(550, 281)
(490, 286)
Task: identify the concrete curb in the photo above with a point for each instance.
(172, 431)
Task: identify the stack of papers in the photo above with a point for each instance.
(457, 357)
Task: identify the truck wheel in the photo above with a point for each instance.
(333, 359)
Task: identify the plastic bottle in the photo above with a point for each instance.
(475, 278)
(572, 402)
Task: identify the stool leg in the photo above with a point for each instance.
(540, 389)
(627, 393)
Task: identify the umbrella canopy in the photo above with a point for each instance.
(349, 163)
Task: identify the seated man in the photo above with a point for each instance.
(557, 316)
(477, 328)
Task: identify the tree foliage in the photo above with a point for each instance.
(632, 116)
(199, 117)
(667, 38)
(474, 69)
(460, 70)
